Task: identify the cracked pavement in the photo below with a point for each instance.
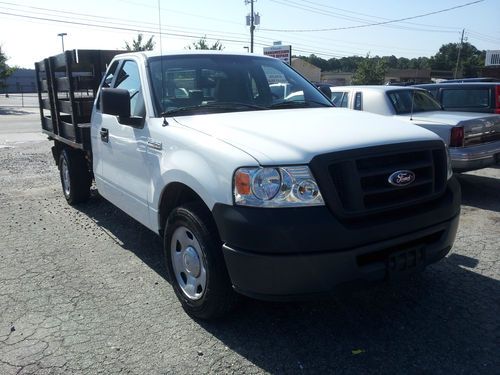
(83, 291)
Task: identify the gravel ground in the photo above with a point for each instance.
(83, 290)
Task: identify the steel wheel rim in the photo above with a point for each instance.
(188, 263)
(65, 177)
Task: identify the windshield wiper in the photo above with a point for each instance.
(219, 106)
(298, 104)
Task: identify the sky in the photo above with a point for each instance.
(29, 29)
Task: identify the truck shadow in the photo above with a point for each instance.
(128, 233)
(441, 322)
(480, 191)
(444, 320)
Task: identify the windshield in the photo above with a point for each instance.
(197, 84)
(422, 101)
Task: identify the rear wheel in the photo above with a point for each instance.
(75, 176)
(195, 263)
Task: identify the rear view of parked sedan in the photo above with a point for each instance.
(473, 138)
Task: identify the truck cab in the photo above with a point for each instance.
(261, 195)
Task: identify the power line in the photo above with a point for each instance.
(292, 4)
(94, 23)
(154, 31)
(377, 17)
(375, 23)
(131, 24)
(172, 31)
(138, 30)
(82, 16)
(213, 35)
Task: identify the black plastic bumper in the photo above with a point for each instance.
(282, 253)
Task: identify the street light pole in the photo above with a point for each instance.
(62, 35)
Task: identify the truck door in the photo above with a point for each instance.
(125, 176)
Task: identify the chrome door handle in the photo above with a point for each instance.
(104, 135)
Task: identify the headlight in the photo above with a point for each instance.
(449, 170)
(276, 187)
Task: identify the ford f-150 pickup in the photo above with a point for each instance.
(252, 193)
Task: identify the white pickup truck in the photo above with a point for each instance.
(252, 193)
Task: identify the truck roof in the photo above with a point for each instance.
(148, 54)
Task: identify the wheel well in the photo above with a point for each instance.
(58, 148)
(174, 195)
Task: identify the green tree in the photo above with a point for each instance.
(202, 44)
(370, 71)
(5, 70)
(471, 59)
(420, 63)
(390, 61)
(350, 63)
(137, 44)
(318, 61)
(403, 63)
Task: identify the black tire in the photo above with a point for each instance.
(217, 297)
(76, 184)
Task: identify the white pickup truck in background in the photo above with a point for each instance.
(473, 138)
(251, 192)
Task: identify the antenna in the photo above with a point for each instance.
(159, 26)
(413, 92)
(412, 101)
(165, 122)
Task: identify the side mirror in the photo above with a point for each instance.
(116, 102)
(326, 91)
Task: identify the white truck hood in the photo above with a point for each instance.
(295, 136)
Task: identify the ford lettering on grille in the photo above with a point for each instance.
(401, 178)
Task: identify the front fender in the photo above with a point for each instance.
(191, 169)
(202, 163)
(209, 176)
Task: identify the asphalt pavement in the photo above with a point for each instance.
(83, 290)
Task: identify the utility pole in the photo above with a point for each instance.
(459, 51)
(252, 22)
(252, 25)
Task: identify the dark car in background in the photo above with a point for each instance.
(466, 96)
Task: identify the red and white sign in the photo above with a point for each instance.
(284, 53)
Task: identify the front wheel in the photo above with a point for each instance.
(195, 263)
(75, 176)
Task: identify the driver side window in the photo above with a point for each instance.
(128, 78)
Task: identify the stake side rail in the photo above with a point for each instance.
(67, 86)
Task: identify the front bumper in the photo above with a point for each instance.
(288, 253)
(475, 157)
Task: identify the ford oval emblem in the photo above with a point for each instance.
(401, 178)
